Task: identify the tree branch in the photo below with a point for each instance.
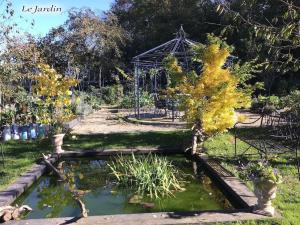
(75, 193)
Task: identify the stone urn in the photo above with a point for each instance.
(265, 191)
(57, 142)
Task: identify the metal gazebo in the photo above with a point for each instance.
(180, 47)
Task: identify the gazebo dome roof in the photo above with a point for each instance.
(180, 47)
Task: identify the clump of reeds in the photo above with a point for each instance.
(149, 175)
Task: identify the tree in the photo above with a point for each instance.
(152, 22)
(210, 98)
(16, 55)
(86, 42)
(268, 30)
(54, 95)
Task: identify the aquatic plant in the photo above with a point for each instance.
(149, 175)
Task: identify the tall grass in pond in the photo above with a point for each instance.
(149, 175)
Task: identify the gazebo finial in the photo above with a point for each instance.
(181, 33)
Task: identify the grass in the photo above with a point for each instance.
(18, 157)
(127, 140)
(287, 201)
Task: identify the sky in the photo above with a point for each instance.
(44, 21)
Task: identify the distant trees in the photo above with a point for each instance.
(16, 53)
(152, 22)
(86, 43)
(264, 30)
(91, 45)
(268, 30)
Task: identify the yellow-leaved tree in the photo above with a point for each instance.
(54, 95)
(210, 98)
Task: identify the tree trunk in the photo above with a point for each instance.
(198, 137)
(100, 77)
(194, 144)
(49, 164)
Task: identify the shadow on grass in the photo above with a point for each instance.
(128, 140)
(20, 149)
(221, 147)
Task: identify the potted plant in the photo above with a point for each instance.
(58, 133)
(54, 100)
(265, 179)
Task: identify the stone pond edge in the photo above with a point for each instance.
(231, 186)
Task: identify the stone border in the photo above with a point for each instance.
(233, 188)
(74, 122)
(160, 218)
(10, 194)
(124, 151)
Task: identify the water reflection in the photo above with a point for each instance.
(92, 180)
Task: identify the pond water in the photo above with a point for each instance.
(50, 198)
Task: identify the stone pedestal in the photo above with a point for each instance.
(57, 142)
(265, 192)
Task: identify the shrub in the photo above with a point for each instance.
(112, 94)
(262, 170)
(271, 100)
(7, 116)
(128, 101)
(268, 103)
(94, 101)
(147, 175)
(146, 100)
(292, 101)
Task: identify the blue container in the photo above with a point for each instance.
(15, 132)
(24, 133)
(32, 131)
(6, 135)
(41, 131)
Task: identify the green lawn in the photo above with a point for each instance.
(127, 140)
(18, 157)
(288, 197)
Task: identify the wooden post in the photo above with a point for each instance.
(136, 90)
(100, 74)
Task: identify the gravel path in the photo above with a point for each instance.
(105, 121)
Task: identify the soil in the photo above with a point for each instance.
(108, 120)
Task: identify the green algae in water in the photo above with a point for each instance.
(49, 197)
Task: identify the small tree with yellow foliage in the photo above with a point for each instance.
(209, 99)
(54, 95)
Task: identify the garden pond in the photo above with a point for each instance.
(50, 198)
